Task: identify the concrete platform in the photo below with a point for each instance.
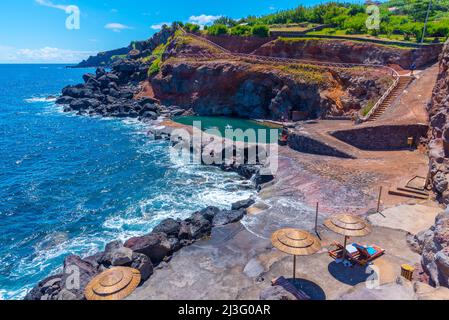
(410, 218)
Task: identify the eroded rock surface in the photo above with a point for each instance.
(439, 132)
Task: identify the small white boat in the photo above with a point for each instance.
(229, 127)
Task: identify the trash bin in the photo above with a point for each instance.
(407, 271)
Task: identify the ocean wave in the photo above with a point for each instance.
(40, 99)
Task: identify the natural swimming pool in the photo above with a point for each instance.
(223, 123)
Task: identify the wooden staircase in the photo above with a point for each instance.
(404, 81)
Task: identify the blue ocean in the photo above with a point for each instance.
(71, 184)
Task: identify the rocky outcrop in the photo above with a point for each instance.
(104, 59)
(248, 90)
(439, 131)
(433, 244)
(134, 51)
(111, 93)
(143, 253)
(346, 51)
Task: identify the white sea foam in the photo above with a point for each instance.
(40, 99)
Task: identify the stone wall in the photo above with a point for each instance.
(387, 137)
(307, 144)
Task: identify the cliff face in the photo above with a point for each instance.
(433, 244)
(439, 134)
(348, 52)
(241, 89)
(230, 86)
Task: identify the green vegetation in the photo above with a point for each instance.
(400, 19)
(260, 31)
(118, 57)
(310, 73)
(366, 109)
(157, 53)
(241, 30)
(217, 30)
(191, 27)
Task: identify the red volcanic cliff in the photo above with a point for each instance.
(231, 86)
(348, 51)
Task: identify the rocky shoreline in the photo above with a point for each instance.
(146, 253)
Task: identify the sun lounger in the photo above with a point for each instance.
(368, 253)
(351, 251)
(362, 256)
(287, 285)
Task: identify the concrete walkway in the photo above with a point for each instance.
(410, 218)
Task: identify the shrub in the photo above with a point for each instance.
(217, 30)
(260, 31)
(155, 67)
(243, 31)
(191, 27)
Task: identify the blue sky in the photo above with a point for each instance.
(35, 30)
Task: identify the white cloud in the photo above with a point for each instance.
(114, 11)
(203, 19)
(42, 55)
(117, 27)
(158, 26)
(48, 3)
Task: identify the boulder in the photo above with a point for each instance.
(440, 182)
(100, 72)
(435, 250)
(247, 171)
(154, 245)
(77, 273)
(147, 100)
(168, 226)
(226, 217)
(64, 100)
(197, 227)
(47, 287)
(88, 76)
(244, 204)
(142, 263)
(209, 213)
(95, 260)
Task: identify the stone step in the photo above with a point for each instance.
(406, 194)
(410, 190)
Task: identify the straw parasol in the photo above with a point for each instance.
(295, 242)
(349, 226)
(113, 284)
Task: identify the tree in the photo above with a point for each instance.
(217, 30)
(227, 21)
(260, 31)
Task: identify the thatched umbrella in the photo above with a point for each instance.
(349, 226)
(113, 284)
(296, 243)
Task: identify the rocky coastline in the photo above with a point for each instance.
(146, 253)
